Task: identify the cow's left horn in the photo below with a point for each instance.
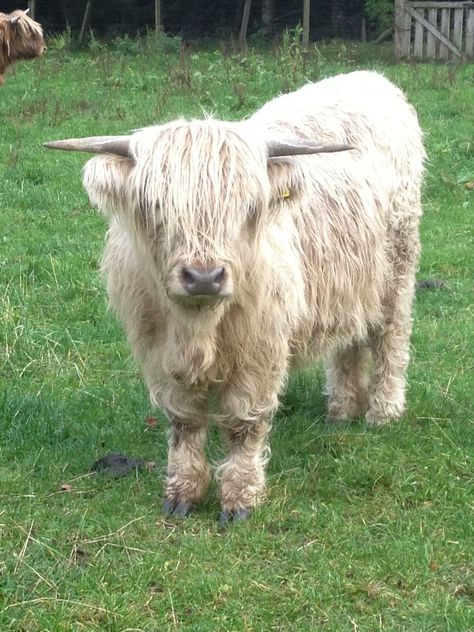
(277, 148)
(119, 145)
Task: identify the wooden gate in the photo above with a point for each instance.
(434, 30)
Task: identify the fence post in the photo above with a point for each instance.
(398, 28)
(402, 29)
(158, 26)
(32, 8)
(469, 45)
(306, 14)
(85, 21)
(244, 24)
(444, 52)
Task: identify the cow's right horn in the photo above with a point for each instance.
(296, 147)
(119, 145)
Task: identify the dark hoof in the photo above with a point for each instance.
(233, 516)
(180, 510)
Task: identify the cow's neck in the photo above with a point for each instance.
(190, 355)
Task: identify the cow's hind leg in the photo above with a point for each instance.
(242, 474)
(347, 382)
(390, 348)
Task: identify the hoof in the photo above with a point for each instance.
(377, 419)
(382, 413)
(180, 509)
(225, 517)
(377, 422)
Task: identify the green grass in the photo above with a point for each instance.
(362, 529)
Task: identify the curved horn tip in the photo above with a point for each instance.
(51, 144)
(118, 145)
(299, 147)
(58, 144)
(26, 10)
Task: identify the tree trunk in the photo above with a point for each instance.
(337, 17)
(268, 15)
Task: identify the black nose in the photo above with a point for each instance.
(202, 281)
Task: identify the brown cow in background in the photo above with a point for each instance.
(20, 38)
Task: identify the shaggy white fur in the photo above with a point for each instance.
(319, 252)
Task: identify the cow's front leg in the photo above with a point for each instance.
(242, 474)
(188, 473)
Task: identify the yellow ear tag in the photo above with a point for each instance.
(285, 194)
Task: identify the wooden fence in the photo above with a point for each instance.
(434, 30)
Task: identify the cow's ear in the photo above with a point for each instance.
(285, 180)
(106, 179)
(14, 19)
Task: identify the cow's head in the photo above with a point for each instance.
(195, 196)
(20, 37)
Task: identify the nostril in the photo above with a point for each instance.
(188, 277)
(216, 278)
(218, 275)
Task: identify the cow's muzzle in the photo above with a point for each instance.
(199, 281)
(199, 285)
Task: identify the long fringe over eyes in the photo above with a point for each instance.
(201, 203)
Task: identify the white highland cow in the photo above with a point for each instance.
(237, 249)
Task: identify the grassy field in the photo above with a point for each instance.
(363, 529)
